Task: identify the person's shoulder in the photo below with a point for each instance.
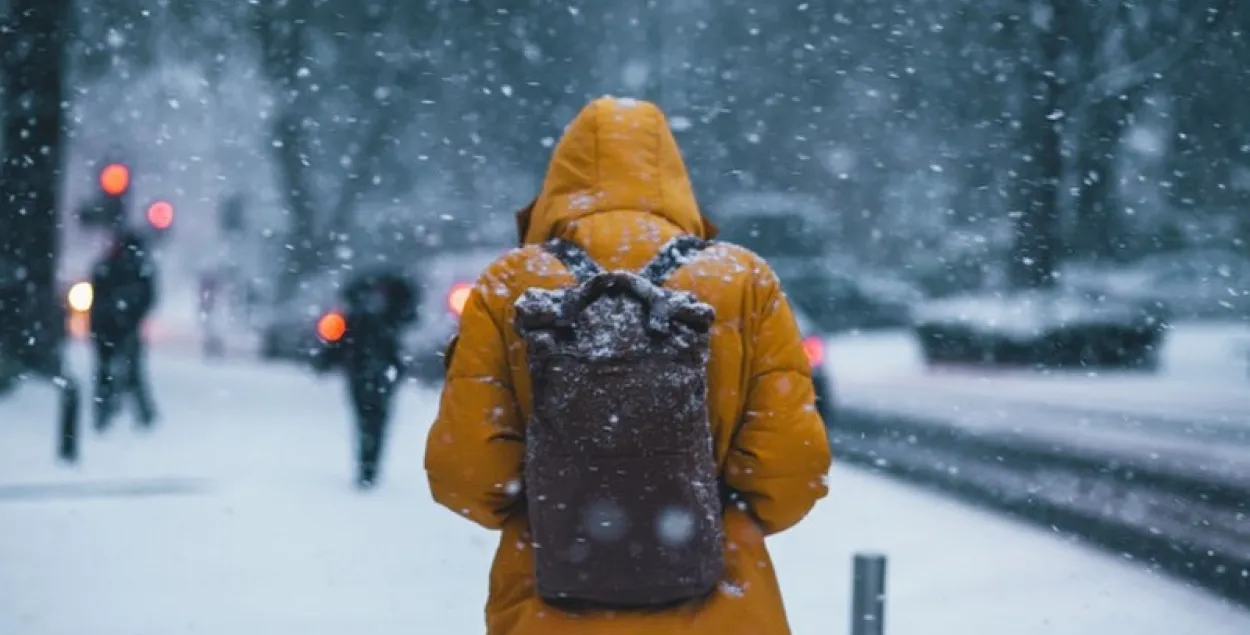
(526, 262)
(501, 281)
(734, 258)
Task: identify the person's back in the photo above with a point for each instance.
(379, 305)
(123, 283)
(617, 189)
(124, 287)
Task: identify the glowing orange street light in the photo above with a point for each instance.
(114, 179)
(161, 215)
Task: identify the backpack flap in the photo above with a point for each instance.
(547, 318)
(661, 306)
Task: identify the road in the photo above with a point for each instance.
(237, 516)
(1195, 409)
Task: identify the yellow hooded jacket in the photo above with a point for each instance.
(617, 187)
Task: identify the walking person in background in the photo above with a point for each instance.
(211, 312)
(628, 401)
(124, 286)
(365, 343)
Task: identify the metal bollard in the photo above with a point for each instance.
(868, 599)
(67, 446)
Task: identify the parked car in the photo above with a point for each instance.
(288, 329)
(842, 298)
(814, 348)
(1049, 328)
(1199, 283)
(445, 281)
(795, 234)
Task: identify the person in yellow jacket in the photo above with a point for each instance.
(618, 188)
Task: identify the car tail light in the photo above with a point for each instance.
(458, 297)
(331, 326)
(814, 348)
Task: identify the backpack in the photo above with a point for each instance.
(621, 479)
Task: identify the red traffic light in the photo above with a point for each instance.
(115, 179)
(331, 327)
(161, 214)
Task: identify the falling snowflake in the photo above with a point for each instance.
(675, 526)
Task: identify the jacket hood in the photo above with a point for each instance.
(617, 154)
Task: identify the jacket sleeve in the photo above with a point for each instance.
(780, 454)
(474, 452)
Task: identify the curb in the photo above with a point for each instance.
(1194, 526)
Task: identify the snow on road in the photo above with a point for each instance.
(1204, 376)
(236, 516)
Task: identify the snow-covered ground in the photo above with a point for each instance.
(1205, 373)
(236, 516)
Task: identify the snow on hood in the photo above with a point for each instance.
(617, 154)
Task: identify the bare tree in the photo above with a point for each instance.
(344, 74)
(1035, 200)
(1122, 50)
(1062, 39)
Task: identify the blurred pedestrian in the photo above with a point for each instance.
(211, 312)
(124, 287)
(378, 306)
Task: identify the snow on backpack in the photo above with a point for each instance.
(620, 473)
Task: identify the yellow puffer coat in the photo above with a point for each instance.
(617, 186)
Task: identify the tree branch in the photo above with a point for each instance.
(1117, 81)
(370, 145)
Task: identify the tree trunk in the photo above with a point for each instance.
(30, 182)
(1037, 204)
(303, 244)
(280, 26)
(1098, 204)
(357, 180)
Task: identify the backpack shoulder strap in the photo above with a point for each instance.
(574, 258)
(671, 257)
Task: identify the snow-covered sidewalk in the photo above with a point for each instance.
(236, 516)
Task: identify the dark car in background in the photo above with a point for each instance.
(844, 299)
(797, 235)
(814, 347)
(289, 329)
(293, 330)
(1052, 328)
(446, 280)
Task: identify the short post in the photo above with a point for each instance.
(868, 599)
(67, 446)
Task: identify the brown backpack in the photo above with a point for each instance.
(620, 475)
